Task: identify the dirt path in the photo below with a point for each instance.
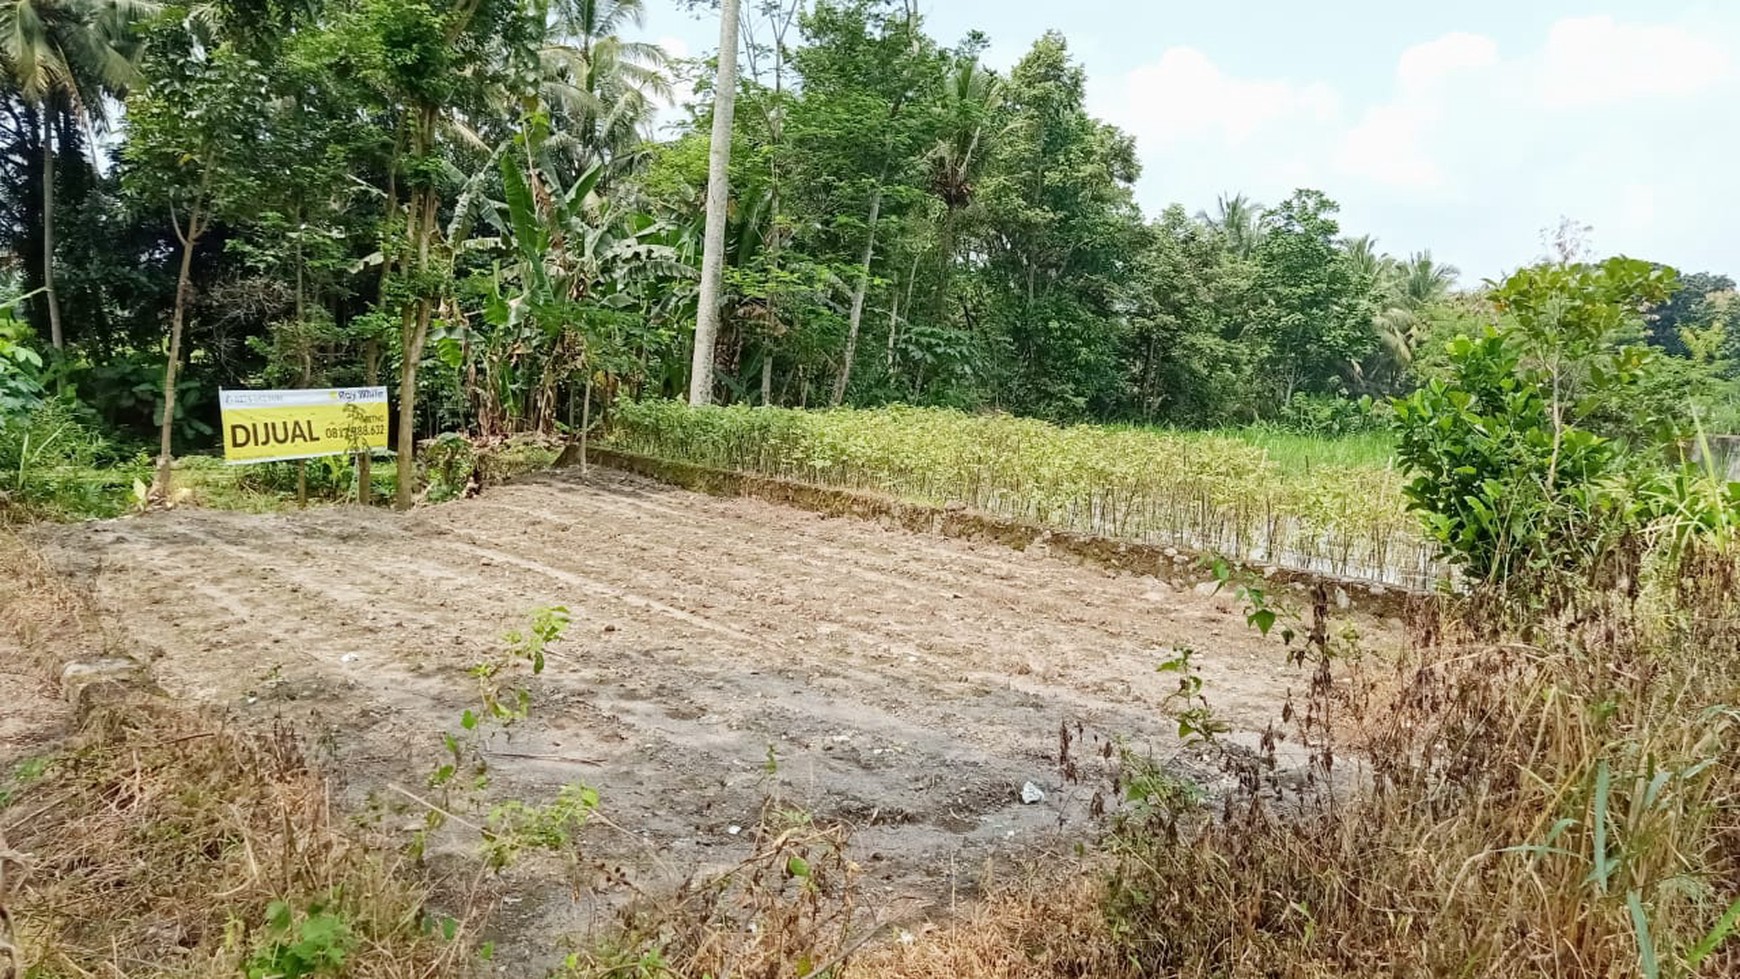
(907, 684)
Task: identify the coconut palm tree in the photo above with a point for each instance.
(601, 88)
(67, 59)
(1404, 291)
(1239, 221)
(1367, 261)
(718, 188)
(1425, 281)
(971, 100)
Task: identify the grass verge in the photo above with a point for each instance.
(158, 840)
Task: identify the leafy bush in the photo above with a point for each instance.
(1526, 454)
(1329, 415)
(54, 463)
(300, 945)
(125, 391)
(20, 369)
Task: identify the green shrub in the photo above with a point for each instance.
(1527, 456)
(20, 373)
(54, 463)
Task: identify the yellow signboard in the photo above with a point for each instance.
(266, 426)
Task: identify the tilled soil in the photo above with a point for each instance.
(905, 684)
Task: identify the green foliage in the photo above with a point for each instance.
(54, 463)
(514, 827)
(20, 371)
(1205, 492)
(313, 942)
(1187, 705)
(1314, 310)
(1329, 416)
(1518, 456)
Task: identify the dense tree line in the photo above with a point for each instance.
(465, 199)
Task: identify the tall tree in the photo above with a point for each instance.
(419, 57)
(67, 58)
(1061, 234)
(1403, 295)
(192, 129)
(1315, 317)
(600, 87)
(972, 99)
(871, 82)
(718, 190)
(1689, 307)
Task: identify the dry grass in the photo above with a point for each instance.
(787, 911)
(1568, 807)
(160, 842)
(1048, 925)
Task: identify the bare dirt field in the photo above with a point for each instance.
(907, 685)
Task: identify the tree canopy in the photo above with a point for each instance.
(470, 197)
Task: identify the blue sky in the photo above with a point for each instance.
(1464, 128)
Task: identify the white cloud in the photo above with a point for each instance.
(1185, 96)
(1424, 67)
(1596, 60)
(674, 46)
(1388, 145)
(1469, 149)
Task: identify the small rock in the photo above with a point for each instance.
(1207, 588)
(1343, 600)
(347, 658)
(1377, 591)
(123, 671)
(1170, 552)
(1031, 794)
(733, 830)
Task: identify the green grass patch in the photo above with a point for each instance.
(1304, 453)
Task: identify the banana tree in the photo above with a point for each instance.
(569, 296)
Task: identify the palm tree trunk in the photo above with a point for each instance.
(365, 463)
(946, 265)
(56, 337)
(893, 330)
(718, 189)
(183, 286)
(767, 377)
(856, 318)
(307, 355)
